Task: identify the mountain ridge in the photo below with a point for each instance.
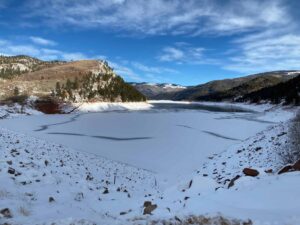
(78, 81)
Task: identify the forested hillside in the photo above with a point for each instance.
(287, 92)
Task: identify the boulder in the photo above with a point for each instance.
(296, 166)
(285, 169)
(250, 172)
(105, 191)
(6, 213)
(269, 171)
(147, 203)
(290, 168)
(11, 170)
(149, 209)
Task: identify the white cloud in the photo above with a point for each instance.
(124, 71)
(265, 52)
(11, 48)
(184, 53)
(42, 41)
(163, 17)
(171, 54)
(151, 69)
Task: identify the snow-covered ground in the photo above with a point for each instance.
(104, 165)
(171, 144)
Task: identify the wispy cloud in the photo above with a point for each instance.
(171, 54)
(265, 51)
(193, 17)
(42, 41)
(185, 53)
(152, 69)
(124, 71)
(8, 47)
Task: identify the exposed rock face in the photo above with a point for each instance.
(296, 166)
(48, 106)
(250, 172)
(290, 168)
(285, 169)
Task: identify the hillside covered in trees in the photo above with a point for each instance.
(97, 87)
(287, 92)
(76, 81)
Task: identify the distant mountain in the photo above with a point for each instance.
(78, 81)
(158, 91)
(230, 89)
(287, 92)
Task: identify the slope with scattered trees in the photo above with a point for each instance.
(78, 81)
(287, 92)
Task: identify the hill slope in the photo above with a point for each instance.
(231, 88)
(85, 80)
(289, 92)
(12, 66)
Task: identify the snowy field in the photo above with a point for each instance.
(180, 157)
(171, 142)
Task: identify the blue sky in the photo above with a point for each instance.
(179, 41)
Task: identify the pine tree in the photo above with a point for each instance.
(16, 91)
(58, 89)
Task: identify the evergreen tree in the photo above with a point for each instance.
(16, 91)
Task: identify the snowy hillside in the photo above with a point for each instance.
(46, 182)
(41, 180)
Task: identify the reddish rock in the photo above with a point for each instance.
(269, 171)
(285, 169)
(250, 172)
(296, 166)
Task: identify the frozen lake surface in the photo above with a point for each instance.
(171, 140)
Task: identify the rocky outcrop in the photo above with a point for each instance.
(290, 168)
(250, 172)
(6, 213)
(149, 207)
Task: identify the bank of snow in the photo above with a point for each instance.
(268, 198)
(42, 182)
(15, 110)
(111, 106)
